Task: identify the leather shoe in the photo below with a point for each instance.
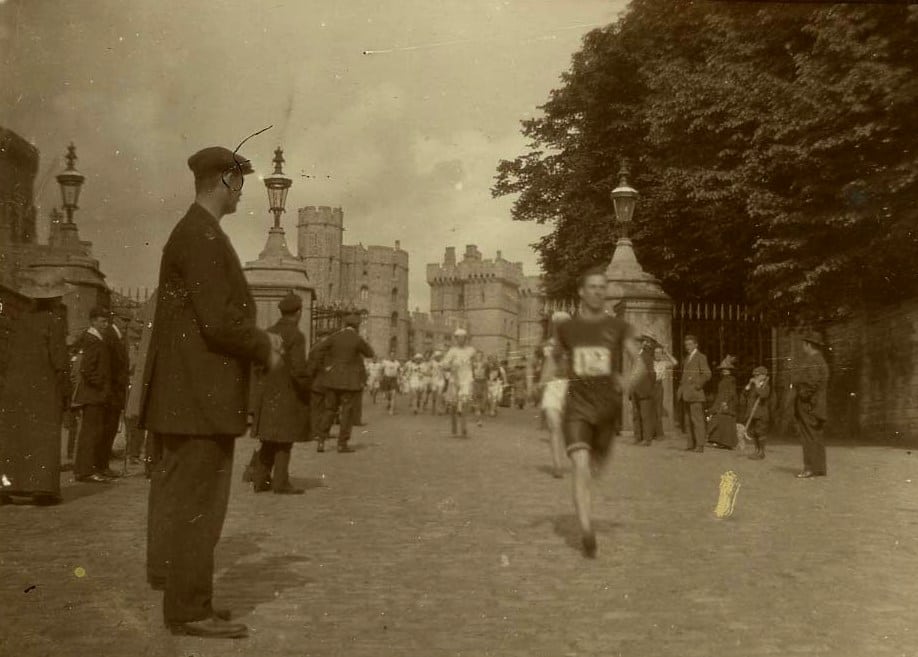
(806, 474)
(210, 628)
(289, 490)
(689, 449)
(589, 545)
(222, 614)
(346, 449)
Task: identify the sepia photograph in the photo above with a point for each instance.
(466, 328)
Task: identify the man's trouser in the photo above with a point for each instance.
(273, 465)
(90, 442)
(693, 424)
(189, 492)
(810, 430)
(643, 418)
(112, 420)
(342, 403)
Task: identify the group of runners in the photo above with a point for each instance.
(441, 383)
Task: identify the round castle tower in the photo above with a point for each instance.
(319, 237)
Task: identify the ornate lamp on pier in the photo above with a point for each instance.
(71, 182)
(277, 271)
(624, 198)
(277, 185)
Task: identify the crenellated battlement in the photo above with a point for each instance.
(473, 268)
(321, 215)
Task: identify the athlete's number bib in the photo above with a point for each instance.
(592, 361)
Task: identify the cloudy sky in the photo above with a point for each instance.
(396, 110)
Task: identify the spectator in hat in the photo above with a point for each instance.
(282, 404)
(93, 396)
(343, 376)
(643, 408)
(757, 393)
(34, 394)
(810, 384)
(695, 374)
(195, 395)
(663, 364)
(722, 427)
(115, 337)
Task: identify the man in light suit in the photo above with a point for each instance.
(343, 375)
(695, 373)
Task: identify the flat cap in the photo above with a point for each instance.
(290, 303)
(215, 160)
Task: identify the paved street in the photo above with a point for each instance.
(423, 545)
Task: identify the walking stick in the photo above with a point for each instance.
(755, 406)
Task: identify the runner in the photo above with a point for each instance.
(416, 383)
(458, 362)
(591, 345)
(437, 382)
(554, 392)
(479, 385)
(497, 379)
(389, 387)
(374, 377)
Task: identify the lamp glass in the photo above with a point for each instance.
(277, 197)
(624, 199)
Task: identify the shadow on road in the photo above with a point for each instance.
(248, 584)
(307, 483)
(567, 527)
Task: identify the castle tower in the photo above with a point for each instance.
(319, 237)
(483, 294)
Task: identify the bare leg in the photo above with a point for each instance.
(583, 501)
(556, 439)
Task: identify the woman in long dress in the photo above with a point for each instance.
(34, 394)
(722, 429)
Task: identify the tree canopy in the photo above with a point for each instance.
(774, 147)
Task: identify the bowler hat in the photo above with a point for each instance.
(813, 338)
(352, 319)
(216, 160)
(290, 303)
(98, 311)
(44, 284)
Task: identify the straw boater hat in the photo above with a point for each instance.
(460, 332)
(418, 357)
(44, 284)
(559, 316)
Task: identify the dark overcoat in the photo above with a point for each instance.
(723, 423)
(32, 400)
(120, 365)
(811, 380)
(341, 355)
(282, 395)
(94, 382)
(204, 338)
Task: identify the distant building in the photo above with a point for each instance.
(374, 278)
(427, 334)
(501, 307)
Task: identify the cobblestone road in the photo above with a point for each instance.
(423, 545)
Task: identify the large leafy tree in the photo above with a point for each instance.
(774, 146)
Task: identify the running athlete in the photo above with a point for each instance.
(458, 362)
(437, 382)
(390, 370)
(479, 385)
(416, 383)
(591, 345)
(374, 377)
(554, 392)
(496, 382)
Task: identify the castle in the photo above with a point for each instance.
(374, 278)
(501, 307)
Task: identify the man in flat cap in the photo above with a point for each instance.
(282, 404)
(115, 338)
(810, 384)
(343, 374)
(195, 391)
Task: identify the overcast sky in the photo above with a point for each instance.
(406, 139)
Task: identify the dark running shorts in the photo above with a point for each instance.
(389, 383)
(580, 433)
